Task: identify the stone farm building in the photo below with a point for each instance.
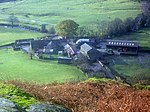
(47, 46)
(91, 53)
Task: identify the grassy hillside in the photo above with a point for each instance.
(85, 12)
(8, 35)
(143, 36)
(17, 65)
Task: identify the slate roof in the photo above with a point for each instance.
(85, 48)
(122, 43)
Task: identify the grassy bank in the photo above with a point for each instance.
(17, 65)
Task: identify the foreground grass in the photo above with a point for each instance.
(91, 96)
(17, 65)
(35, 12)
(8, 35)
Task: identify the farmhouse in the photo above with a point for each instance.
(91, 53)
(56, 45)
(123, 47)
(38, 45)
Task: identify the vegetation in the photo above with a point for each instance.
(12, 19)
(91, 96)
(143, 36)
(67, 28)
(134, 73)
(16, 95)
(17, 65)
(85, 13)
(146, 7)
(8, 35)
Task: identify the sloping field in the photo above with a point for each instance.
(85, 12)
(8, 35)
(17, 65)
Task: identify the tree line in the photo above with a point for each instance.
(105, 29)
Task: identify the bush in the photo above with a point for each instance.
(116, 27)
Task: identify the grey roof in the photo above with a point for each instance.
(85, 47)
(122, 43)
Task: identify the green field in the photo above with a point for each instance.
(8, 35)
(84, 12)
(17, 65)
(143, 36)
(133, 66)
(131, 70)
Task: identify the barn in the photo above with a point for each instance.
(123, 47)
(38, 45)
(91, 53)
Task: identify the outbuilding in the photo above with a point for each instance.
(123, 47)
(91, 53)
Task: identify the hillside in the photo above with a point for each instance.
(91, 96)
(143, 36)
(89, 12)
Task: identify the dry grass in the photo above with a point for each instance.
(91, 97)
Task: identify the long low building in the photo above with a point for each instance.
(123, 47)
